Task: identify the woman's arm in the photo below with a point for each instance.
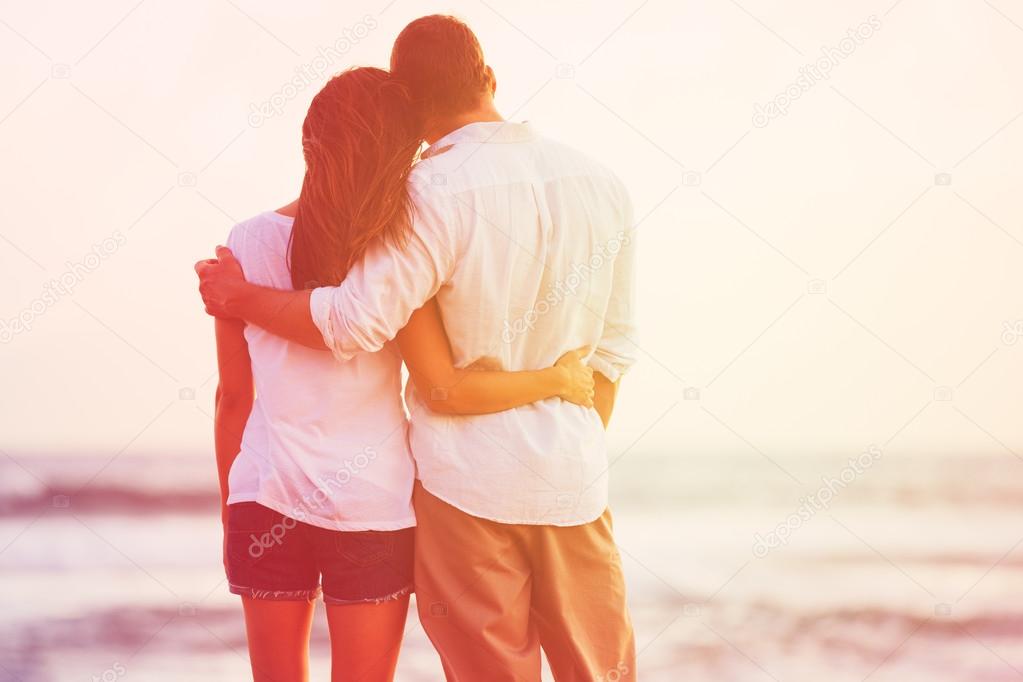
(427, 353)
(234, 398)
(605, 392)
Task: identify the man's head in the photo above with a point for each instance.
(440, 59)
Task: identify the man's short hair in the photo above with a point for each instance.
(441, 61)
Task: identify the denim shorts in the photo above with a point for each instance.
(272, 556)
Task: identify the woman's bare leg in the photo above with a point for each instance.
(365, 639)
(278, 634)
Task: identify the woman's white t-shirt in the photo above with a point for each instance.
(327, 441)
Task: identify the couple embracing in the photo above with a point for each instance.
(497, 265)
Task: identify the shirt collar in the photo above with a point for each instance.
(487, 132)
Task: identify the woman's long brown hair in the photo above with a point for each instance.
(359, 141)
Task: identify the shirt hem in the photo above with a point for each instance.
(610, 370)
(234, 498)
(322, 522)
(509, 522)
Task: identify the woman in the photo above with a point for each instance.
(315, 473)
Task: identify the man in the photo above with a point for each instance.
(528, 247)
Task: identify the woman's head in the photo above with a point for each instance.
(359, 141)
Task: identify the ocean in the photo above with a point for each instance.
(738, 568)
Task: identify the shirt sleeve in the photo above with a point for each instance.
(616, 350)
(234, 238)
(380, 293)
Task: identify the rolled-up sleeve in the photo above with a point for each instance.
(616, 353)
(380, 293)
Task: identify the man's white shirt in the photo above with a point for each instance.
(528, 246)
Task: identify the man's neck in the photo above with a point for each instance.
(487, 113)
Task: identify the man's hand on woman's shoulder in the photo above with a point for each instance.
(221, 283)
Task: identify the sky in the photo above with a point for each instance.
(830, 232)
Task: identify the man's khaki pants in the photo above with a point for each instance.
(491, 594)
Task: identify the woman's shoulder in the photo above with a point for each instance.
(261, 232)
(260, 244)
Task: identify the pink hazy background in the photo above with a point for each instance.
(834, 275)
